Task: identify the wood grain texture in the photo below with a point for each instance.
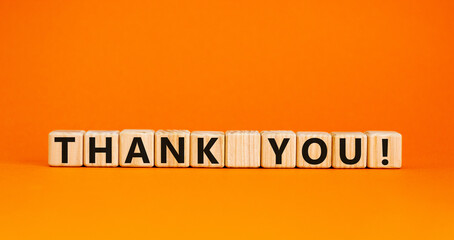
(350, 149)
(314, 149)
(216, 149)
(375, 155)
(168, 159)
(74, 148)
(242, 149)
(145, 141)
(270, 158)
(100, 141)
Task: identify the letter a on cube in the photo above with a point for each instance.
(136, 148)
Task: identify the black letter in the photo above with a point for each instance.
(107, 150)
(278, 151)
(165, 142)
(323, 151)
(142, 153)
(205, 150)
(64, 147)
(343, 156)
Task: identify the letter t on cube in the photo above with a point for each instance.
(66, 148)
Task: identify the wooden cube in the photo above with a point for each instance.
(66, 148)
(349, 149)
(207, 149)
(278, 149)
(136, 148)
(313, 150)
(384, 149)
(101, 149)
(172, 148)
(242, 149)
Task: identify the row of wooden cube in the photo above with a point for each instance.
(237, 149)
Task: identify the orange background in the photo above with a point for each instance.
(225, 65)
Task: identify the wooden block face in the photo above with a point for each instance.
(278, 149)
(313, 150)
(136, 148)
(242, 149)
(207, 149)
(349, 149)
(172, 148)
(66, 148)
(384, 149)
(101, 149)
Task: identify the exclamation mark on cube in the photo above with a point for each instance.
(385, 151)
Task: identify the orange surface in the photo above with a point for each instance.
(220, 65)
